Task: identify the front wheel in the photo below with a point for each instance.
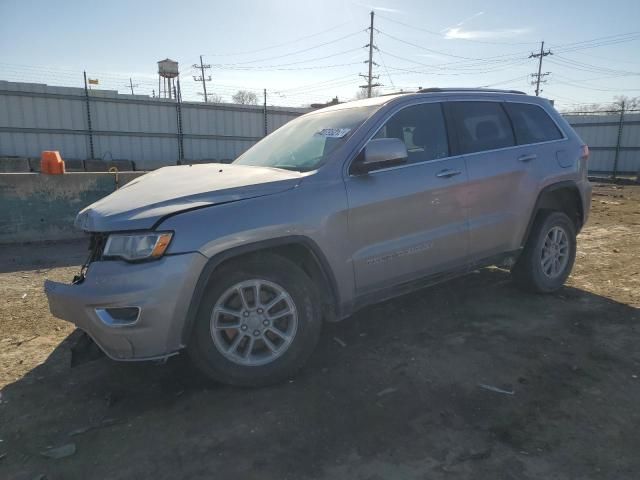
(549, 254)
(257, 324)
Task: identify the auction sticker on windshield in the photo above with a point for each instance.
(334, 132)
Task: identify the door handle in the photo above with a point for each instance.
(527, 158)
(448, 173)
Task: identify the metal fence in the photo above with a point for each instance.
(613, 139)
(152, 132)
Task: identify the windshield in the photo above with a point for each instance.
(304, 143)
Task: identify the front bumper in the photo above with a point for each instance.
(162, 290)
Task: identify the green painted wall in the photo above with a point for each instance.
(36, 207)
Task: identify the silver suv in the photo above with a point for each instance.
(346, 206)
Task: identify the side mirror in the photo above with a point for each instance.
(381, 153)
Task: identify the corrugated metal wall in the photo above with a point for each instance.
(600, 132)
(36, 117)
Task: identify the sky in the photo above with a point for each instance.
(311, 51)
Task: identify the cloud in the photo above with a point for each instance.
(379, 9)
(459, 24)
(463, 21)
(460, 33)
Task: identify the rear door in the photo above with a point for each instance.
(498, 177)
(409, 221)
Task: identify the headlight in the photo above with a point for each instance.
(137, 246)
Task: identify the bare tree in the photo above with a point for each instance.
(245, 97)
(362, 93)
(630, 103)
(214, 98)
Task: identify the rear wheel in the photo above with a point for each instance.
(548, 256)
(258, 322)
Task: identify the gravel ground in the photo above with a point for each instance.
(394, 392)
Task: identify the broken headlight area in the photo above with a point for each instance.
(96, 246)
(134, 247)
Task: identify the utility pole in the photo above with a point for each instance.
(88, 106)
(620, 127)
(369, 86)
(538, 77)
(202, 77)
(131, 85)
(265, 112)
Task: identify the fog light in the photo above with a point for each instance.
(118, 316)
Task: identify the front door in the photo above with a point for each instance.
(409, 221)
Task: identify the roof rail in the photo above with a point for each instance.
(490, 90)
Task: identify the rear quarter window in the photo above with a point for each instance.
(532, 124)
(481, 126)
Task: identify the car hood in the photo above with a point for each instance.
(142, 202)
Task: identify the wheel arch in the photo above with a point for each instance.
(563, 197)
(302, 250)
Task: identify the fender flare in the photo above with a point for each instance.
(536, 207)
(244, 249)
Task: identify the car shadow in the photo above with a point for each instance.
(469, 377)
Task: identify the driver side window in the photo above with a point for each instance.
(422, 129)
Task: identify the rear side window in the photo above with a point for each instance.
(532, 124)
(422, 129)
(481, 126)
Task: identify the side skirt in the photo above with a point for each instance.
(378, 296)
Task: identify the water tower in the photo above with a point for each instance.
(167, 73)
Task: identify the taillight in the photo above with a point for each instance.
(585, 152)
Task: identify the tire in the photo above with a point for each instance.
(278, 343)
(529, 272)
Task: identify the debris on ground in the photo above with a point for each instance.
(60, 452)
(386, 391)
(107, 422)
(496, 389)
(339, 342)
(481, 454)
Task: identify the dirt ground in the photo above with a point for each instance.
(394, 392)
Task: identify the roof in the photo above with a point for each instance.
(470, 90)
(387, 98)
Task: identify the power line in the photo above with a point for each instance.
(247, 52)
(471, 69)
(292, 53)
(438, 34)
(437, 52)
(599, 41)
(521, 77)
(587, 67)
(315, 83)
(384, 64)
(266, 67)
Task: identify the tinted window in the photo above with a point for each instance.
(532, 124)
(422, 129)
(481, 126)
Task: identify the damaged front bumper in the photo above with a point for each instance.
(133, 311)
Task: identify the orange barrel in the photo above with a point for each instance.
(51, 163)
